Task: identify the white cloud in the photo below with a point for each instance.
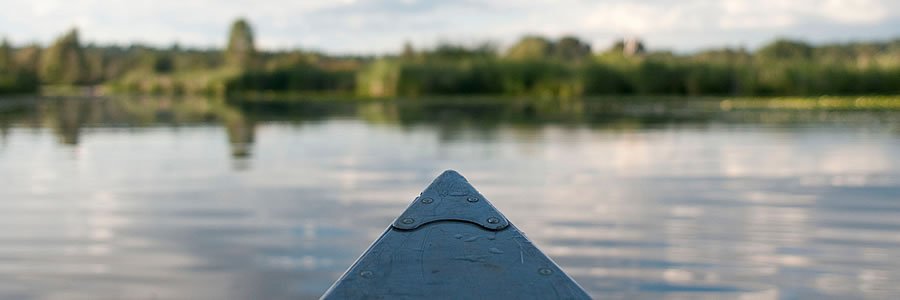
(854, 11)
(764, 14)
(781, 14)
(381, 25)
(633, 18)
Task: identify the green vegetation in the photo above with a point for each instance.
(820, 103)
(64, 61)
(533, 67)
(68, 116)
(538, 48)
(240, 52)
(13, 79)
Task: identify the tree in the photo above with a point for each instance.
(446, 50)
(28, 58)
(786, 50)
(628, 47)
(63, 62)
(408, 51)
(570, 48)
(240, 52)
(633, 46)
(6, 62)
(531, 47)
(163, 63)
(12, 78)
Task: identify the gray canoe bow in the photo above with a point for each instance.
(451, 243)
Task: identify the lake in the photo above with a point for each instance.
(675, 198)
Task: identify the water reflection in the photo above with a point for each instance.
(197, 198)
(452, 117)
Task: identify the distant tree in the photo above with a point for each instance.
(408, 51)
(12, 78)
(531, 47)
(446, 50)
(570, 48)
(6, 59)
(95, 63)
(722, 56)
(633, 46)
(628, 47)
(63, 62)
(617, 48)
(241, 51)
(163, 62)
(783, 49)
(28, 58)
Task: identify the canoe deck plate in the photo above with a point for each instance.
(451, 243)
(451, 198)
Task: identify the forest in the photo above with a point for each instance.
(535, 66)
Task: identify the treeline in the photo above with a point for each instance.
(534, 66)
(568, 68)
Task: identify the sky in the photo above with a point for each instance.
(382, 26)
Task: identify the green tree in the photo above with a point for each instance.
(12, 78)
(570, 48)
(63, 62)
(408, 51)
(95, 63)
(6, 61)
(627, 47)
(163, 63)
(28, 58)
(450, 51)
(241, 51)
(531, 47)
(783, 49)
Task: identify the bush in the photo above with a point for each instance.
(301, 77)
(18, 82)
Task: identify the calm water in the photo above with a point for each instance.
(678, 198)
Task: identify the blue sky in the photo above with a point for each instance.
(379, 26)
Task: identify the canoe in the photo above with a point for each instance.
(451, 243)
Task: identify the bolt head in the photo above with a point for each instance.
(366, 274)
(472, 199)
(427, 200)
(407, 221)
(493, 220)
(545, 271)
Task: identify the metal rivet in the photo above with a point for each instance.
(427, 200)
(472, 199)
(407, 221)
(493, 220)
(545, 271)
(366, 274)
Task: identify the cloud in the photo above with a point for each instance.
(781, 14)
(643, 18)
(854, 11)
(372, 26)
